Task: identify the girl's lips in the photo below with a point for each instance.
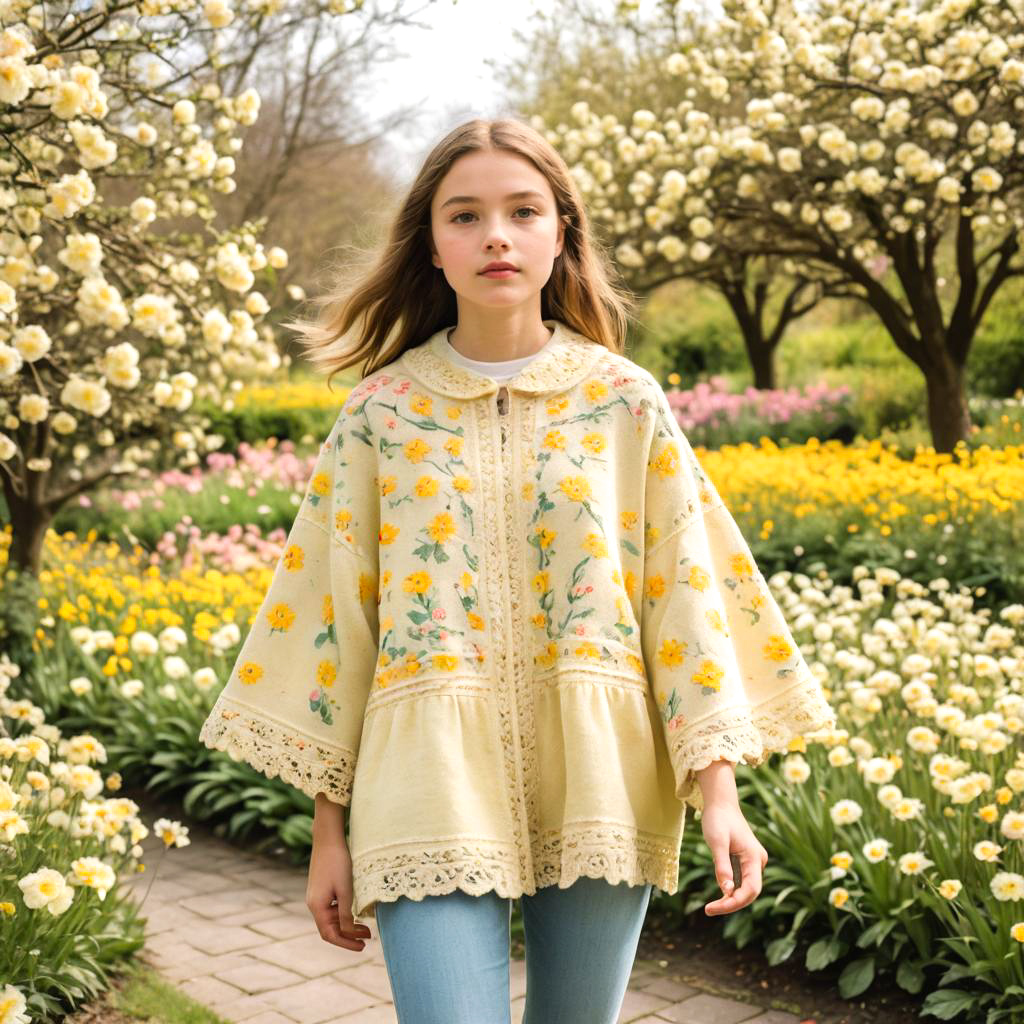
(500, 273)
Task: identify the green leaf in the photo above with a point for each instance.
(876, 933)
(909, 976)
(946, 1003)
(780, 949)
(824, 952)
(856, 977)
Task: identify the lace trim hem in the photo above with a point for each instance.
(276, 750)
(615, 853)
(748, 734)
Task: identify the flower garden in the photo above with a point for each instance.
(906, 852)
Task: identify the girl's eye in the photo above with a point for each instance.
(466, 213)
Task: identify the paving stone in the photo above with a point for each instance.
(667, 988)
(774, 1017)
(270, 1017)
(368, 977)
(210, 991)
(250, 917)
(318, 1000)
(209, 937)
(310, 956)
(165, 916)
(383, 1013)
(202, 964)
(257, 977)
(195, 879)
(233, 901)
(244, 1008)
(638, 1003)
(708, 1009)
(286, 926)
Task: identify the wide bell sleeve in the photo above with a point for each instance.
(727, 674)
(294, 701)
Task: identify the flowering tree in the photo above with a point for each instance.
(866, 135)
(120, 302)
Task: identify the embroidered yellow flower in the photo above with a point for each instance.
(454, 412)
(666, 463)
(548, 656)
(475, 620)
(594, 443)
(453, 446)
(441, 528)
(699, 578)
(629, 520)
(320, 484)
(387, 533)
(280, 617)
(717, 623)
(342, 518)
(545, 536)
(326, 673)
(778, 648)
(554, 440)
(446, 662)
(540, 581)
(595, 390)
(655, 586)
(556, 406)
(672, 652)
(709, 675)
(367, 589)
(576, 488)
(416, 582)
(416, 450)
(327, 609)
(294, 558)
(426, 487)
(422, 404)
(587, 650)
(740, 564)
(595, 545)
(250, 672)
(386, 484)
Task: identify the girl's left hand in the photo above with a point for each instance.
(727, 832)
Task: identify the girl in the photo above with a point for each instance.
(515, 687)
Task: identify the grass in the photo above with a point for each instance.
(138, 993)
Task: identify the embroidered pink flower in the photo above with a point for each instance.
(438, 614)
(676, 722)
(402, 388)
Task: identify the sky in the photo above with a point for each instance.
(443, 70)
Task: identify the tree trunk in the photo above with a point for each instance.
(948, 415)
(762, 362)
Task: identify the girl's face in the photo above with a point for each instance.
(495, 206)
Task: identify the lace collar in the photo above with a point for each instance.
(566, 358)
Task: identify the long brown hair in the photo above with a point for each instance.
(402, 299)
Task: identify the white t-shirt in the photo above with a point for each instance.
(501, 369)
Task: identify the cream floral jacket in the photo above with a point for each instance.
(509, 623)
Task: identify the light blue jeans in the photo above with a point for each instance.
(447, 956)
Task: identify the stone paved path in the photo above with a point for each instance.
(231, 930)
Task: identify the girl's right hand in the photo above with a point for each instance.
(330, 878)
